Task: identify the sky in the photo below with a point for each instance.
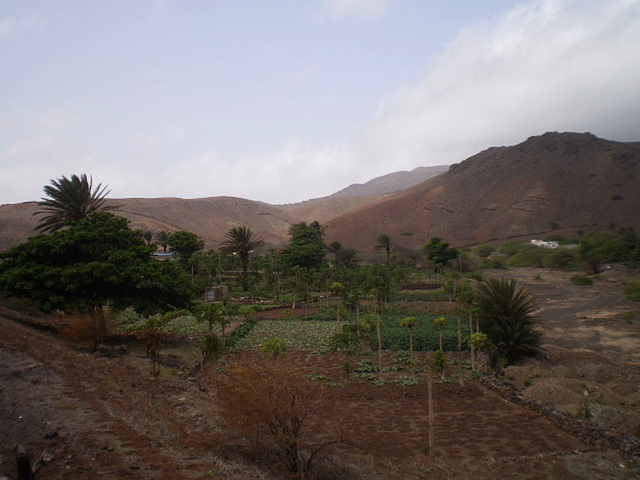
(286, 100)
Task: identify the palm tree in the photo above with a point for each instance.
(410, 323)
(506, 317)
(383, 242)
(162, 237)
(70, 200)
(335, 247)
(242, 241)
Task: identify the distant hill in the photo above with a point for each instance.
(391, 183)
(567, 183)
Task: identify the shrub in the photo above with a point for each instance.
(269, 406)
(581, 280)
(529, 257)
(632, 290)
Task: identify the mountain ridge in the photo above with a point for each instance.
(556, 182)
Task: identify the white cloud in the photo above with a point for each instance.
(355, 8)
(548, 65)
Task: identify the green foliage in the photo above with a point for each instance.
(298, 334)
(348, 257)
(600, 247)
(70, 200)
(348, 339)
(274, 348)
(484, 251)
(211, 347)
(632, 290)
(511, 248)
(242, 241)
(98, 261)
(438, 361)
(439, 252)
(527, 257)
(478, 340)
(306, 248)
(426, 337)
(185, 244)
(385, 242)
(241, 332)
(506, 316)
(581, 280)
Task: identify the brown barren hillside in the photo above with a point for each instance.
(558, 182)
(565, 183)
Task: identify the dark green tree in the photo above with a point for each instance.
(439, 252)
(98, 262)
(306, 248)
(185, 244)
(242, 241)
(506, 315)
(69, 200)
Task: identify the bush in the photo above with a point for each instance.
(632, 290)
(581, 280)
(270, 407)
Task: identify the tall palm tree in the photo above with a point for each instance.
(242, 241)
(507, 318)
(383, 242)
(334, 248)
(70, 200)
(162, 237)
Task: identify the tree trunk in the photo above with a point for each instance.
(379, 334)
(430, 410)
(460, 351)
(471, 347)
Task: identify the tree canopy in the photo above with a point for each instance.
(241, 241)
(185, 244)
(96, 262)
(69, 200)
(439, 252)
(306, 248)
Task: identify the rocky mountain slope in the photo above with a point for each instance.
(566, 183)
(557, 182)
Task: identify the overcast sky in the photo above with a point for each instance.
(286, 100)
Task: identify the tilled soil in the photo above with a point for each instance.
(90, 416)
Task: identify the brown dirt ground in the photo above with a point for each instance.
(94, 416)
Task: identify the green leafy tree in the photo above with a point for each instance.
(306, 248)
(507, 317)
(185, 244)
(440, 253)
(242, 241)
(384, 242)
(97, 262)
(69, 200)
